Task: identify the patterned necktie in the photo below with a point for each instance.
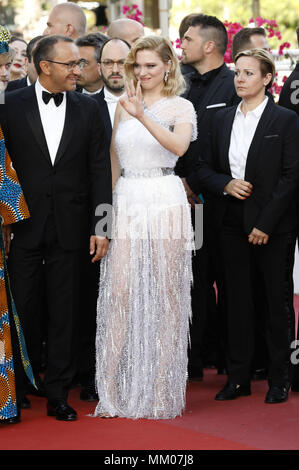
(57, 97)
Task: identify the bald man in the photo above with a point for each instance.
(126, 29)
(66, 19)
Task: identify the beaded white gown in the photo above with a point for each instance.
(144, 304)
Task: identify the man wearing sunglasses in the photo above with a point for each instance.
(90, 46)
(59, 147)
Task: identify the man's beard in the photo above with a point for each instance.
(110, 86)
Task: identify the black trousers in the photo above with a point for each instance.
(86, 335)
(274, 264)
(60, 273)
(207, 329)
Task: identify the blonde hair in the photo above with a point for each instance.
(175, 84)
(266, 62)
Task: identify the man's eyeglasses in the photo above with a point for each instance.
(110, 63)
(70, 65)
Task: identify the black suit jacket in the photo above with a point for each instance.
(221, 92)
(80, 178)
(272, 168)
(100, 99)
(289, 95)
(16, 84)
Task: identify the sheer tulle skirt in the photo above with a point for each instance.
(144, 309)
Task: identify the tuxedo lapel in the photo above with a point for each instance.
(253, 152)
(70, 128)
(100, 97)
(226, 135)
(34, 120)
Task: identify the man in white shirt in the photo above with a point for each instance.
(111, 69)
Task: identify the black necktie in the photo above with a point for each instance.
(57, 97)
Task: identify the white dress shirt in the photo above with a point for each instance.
(111, 101)
(52, 118)
(243, 130)
(85, 92)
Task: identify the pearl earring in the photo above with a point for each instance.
(166, 76)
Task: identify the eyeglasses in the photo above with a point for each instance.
(110, 63)
(70, 65)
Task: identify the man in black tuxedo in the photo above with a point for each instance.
(255, 220)
(58, 146)
(210, 87)
(31, 76)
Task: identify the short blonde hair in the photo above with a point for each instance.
(266, 62)
(175, 84)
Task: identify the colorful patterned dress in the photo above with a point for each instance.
(13, 208)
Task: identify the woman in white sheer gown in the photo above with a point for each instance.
(144, 293)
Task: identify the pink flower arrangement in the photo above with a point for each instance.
(132, 11)
(276, 89)
(177, 43)
(282, 46)
(232, 29)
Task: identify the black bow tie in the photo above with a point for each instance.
(197, 78)
(57, 97)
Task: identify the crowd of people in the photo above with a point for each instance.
(109, 148)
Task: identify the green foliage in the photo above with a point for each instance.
(7, 11)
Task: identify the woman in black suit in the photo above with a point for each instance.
(251, 173)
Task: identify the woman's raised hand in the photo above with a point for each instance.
(132, 103)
